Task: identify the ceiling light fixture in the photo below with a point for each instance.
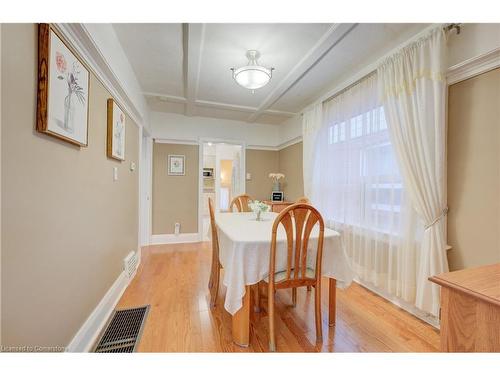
(252, 76)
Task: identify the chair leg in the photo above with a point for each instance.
(215, 265)
(214, 291)
(317, 308)
(294, 297)
(270, 308)
(211, 280)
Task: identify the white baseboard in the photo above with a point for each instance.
(90, 330)
(160, 239)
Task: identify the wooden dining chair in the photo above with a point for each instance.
(298, 221)
(241, 203)
(304, 200)
(213, 283)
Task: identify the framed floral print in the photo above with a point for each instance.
(176, 165)
(116, 131)
(63, 89)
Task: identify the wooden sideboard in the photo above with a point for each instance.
(470, 309)
(278, 206)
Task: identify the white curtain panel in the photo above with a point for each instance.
(311, 123)
(412, 91)
(358, 189)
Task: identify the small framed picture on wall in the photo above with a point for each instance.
(115, 145)
(176, 165)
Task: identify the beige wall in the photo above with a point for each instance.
(290, 164)
(175, 198)
(287, 161)
(66, 226)
(474, 171)
(259, 163)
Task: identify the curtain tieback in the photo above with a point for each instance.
(443, 213)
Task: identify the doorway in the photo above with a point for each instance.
(222, 177)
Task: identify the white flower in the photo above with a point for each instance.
(257, 206)
(276, 176)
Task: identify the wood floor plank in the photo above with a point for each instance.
(173, 280)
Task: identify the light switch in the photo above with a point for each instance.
(132, 166)
(115, 173)
(249, 176)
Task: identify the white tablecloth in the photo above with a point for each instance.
(244, 246)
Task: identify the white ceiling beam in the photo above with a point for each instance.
(193, 35)
(165, 97)
(215, 105)
(280, 113)
(324, 45)
(219, 105)
(240, 108)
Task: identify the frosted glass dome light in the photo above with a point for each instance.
(252, 76)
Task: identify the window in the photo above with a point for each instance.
(364, 188)
(337, 133)
(357, 187)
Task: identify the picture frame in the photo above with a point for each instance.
(277, 196)
(115, 144)
(63, 89)
(176, 165)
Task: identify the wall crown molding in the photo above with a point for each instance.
(473, 66)
(82, 41)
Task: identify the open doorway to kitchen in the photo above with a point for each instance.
(222, 177)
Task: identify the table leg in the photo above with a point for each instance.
(256, 298)
(332, 301)
(241, 321)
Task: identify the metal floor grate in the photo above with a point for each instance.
(123, 332)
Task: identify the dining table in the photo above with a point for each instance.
(244, 247)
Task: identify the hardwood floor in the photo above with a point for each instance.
(173, 280)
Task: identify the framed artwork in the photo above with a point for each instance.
(115, 145)
(277, 196)
(63, 89)
(176, 165)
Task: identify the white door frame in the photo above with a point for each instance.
(201, 141)
(145, 187)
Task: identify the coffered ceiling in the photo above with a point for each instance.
(184, 68)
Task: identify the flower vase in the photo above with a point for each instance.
(276, 186)
(258, 213)
(69, 114)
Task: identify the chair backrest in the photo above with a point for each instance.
(241, 203)
(215, 238)
(298, 221)
(303, 200)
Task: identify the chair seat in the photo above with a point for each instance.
(280, 276)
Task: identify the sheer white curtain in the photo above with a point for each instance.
(357, 187)
(412, 90)
(311, 124)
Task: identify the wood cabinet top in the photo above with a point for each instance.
(480, 282)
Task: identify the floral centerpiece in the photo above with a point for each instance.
(276, 177)
(258, 207)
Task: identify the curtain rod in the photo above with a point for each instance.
(453, 26)
(447, 28)
(348, 87)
